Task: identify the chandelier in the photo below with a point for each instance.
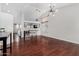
(51, 11)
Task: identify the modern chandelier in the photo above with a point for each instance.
(51, 11)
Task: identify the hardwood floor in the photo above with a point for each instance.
(44, 46)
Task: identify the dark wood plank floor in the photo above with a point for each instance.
(44, 46)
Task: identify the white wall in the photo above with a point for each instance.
(22, 24)
(6, 21)
(0, 7)
(65, 24)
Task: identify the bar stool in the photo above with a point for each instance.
(8, 46)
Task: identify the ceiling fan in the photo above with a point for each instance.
(52, 10)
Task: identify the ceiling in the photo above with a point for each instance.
(28, 9)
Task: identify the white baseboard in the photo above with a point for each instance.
(76, 42)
